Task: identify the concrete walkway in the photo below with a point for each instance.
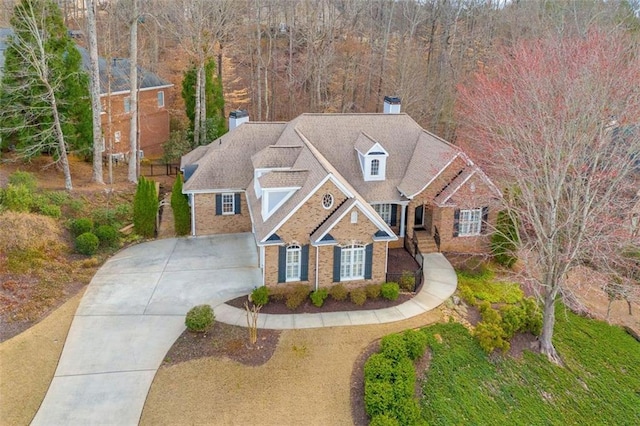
(133, 311)
(440, 282)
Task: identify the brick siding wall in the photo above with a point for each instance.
(208, 223)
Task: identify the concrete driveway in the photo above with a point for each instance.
(130, 316)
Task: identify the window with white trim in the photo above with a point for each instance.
(293, 262)
(228, 204)
(352, 262)
(127, 104)
(470, 222)
(375, 167)
(384, 210)
(160, 99)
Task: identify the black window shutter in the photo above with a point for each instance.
(456, 222)
(282, 264)
(368, 261)
(236, 203)
(485, 218)
(337, 257)
(304, 263)
(218, 204)
(394, 214)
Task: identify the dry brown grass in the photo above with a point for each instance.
(307, 381)
(28, 231)
(28, 362)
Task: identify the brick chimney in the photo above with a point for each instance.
(237, 117)
(391, 105)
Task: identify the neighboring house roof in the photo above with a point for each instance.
(314, 148)
(119, 70)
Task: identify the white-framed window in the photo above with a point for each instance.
(160, 99)
(293, 262)
(327, 201)
(384, 210)
(354, 216)
(127, 104)
(352, 262)
(470, 222)
(228, 204)
(117, 136)
(375, 167)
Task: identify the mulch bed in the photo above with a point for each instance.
(224, 340)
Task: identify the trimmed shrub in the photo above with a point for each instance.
(533, 316)
(415, 343)
(296, 296)
(199, 318)
(383, 420)
(504, 241)
(358, 296)
(407, 281)
(108, 235)
(390, 291)
(87, 244)
(38, 201)
(393, 347)
(338, 292)
(491, 336)
(51, 210)
(277, 294)
(180, 207)
(319, 296)
(379, 368)
(145, 208)
(26, 179)
(17, 198)
(80, 226)
(373, 291)
(378, 397)
(59, 198)
(260, 296)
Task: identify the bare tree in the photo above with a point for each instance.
(133, 97)
(98, 144)
(543, 120)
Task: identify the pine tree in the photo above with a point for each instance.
(41, 60)
(145, 208)
(214, 105)
(180, 207)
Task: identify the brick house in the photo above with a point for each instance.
(326, 195)
(153, 96)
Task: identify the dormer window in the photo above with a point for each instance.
(375, 167)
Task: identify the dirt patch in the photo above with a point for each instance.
(226, 341)
(523, 342)
(399, 260)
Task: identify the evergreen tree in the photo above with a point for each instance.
(41, 58)
(180, 207)
(216, 124)
(145, 208)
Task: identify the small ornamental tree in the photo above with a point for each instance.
(145, 208)
(180, 207)
(504, 241)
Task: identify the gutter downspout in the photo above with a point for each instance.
(192, 196)
(317, 253)
(386, 260)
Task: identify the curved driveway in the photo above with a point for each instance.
(130, 316)
(133, 311)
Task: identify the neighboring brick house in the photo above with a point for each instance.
(153, 96)
(326, 195)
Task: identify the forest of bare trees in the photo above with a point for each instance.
(281, 58)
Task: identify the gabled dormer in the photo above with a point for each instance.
(372, 157)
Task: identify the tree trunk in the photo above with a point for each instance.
(548, 321)
(203, 106)
(133, 99)
(198, 110)
(62, 147)
(95, 92)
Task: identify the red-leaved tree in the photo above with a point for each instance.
(547, 120)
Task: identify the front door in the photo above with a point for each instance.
(419, 217)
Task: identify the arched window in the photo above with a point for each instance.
(293, 262)
(375, 167)
(352, 262)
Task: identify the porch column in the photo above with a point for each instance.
(403, 216)
(192, 197)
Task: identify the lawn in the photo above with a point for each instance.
(599, 383)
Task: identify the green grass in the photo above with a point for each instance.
(483, 286)
(599, 384)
